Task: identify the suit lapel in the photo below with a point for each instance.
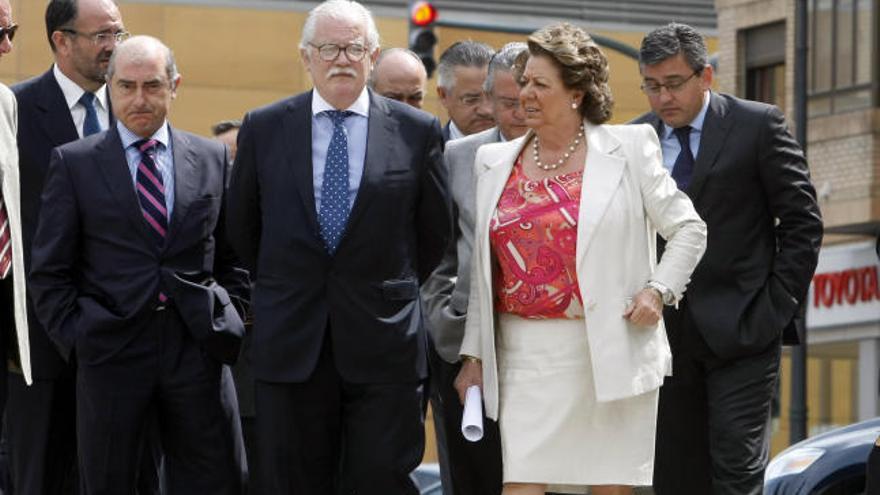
(715, 129)
(114, 168)
(57, 122)
(490, 185)
(381, 133)
(112, 118)
(186, 180)
(297, 130)
(602, 175)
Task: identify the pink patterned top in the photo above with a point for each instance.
(533, 236)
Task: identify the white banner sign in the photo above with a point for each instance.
(846, 286)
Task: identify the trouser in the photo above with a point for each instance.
(474, 467)
(327, 436)
(41, 434)
(164, 372)
(714, 416)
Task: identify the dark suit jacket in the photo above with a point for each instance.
(44, 123)
(750, 172)
(367, 293)
(97, 272)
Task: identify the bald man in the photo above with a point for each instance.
(400, 75)
(131, 269)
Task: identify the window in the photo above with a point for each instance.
(842, 48)
(765, 64)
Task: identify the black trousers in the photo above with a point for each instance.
(474, 467)
(327, 436)
(7, 341)
(714, 415)
(41, 434)
(40, 421)
(163, 372)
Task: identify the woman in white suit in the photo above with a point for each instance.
(564, 330)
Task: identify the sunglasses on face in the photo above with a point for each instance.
(8, 32)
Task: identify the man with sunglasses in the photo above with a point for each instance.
(13, 297)
(460, 76)
(67, 102)
(749, 181)
(338, 205)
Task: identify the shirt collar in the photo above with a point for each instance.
(361, 105)
(454, 131)
(697, 123)
(72, 92)
(128, 138)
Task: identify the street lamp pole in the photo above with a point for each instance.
(798, 406)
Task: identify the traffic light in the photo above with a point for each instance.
(421, 33)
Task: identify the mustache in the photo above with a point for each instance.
(342, 71)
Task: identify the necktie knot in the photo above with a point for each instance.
(684, 135)
(87, 99)
(338, 116)
(146, 145)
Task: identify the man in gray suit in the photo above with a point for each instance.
(472, 468)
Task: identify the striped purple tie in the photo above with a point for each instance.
(151, 190)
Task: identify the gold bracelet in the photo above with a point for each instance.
(471, 359)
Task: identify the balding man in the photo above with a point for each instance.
(130, 268)
(399, 74)
(65, 103)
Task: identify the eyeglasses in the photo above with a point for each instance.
(507, 103)
(654, 88)
(328, 52)
(103, 38)
(8, 32)
(472, 100)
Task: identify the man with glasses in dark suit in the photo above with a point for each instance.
(67, 102)
(461, 72)
(339, 206)
(748, 180)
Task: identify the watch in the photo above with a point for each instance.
(666, 294)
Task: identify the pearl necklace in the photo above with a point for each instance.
(553, 166)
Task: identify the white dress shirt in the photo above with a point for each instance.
(669, 142)
(356, 136)
(72, 94)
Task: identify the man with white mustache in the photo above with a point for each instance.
(339, 206)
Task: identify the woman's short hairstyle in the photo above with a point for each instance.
(582, 66)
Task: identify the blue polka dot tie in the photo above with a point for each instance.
(334, 190)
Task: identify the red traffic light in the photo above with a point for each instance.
(423, 14)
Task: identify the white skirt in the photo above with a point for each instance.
(553, 430)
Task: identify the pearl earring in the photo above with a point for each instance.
(574, 105)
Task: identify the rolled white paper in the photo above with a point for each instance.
(472, 418)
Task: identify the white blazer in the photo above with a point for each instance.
(627, 198)
(10, 183)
